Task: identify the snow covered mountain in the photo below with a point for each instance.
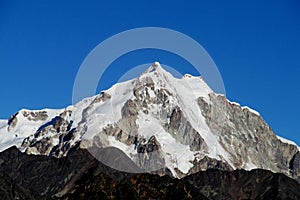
(157, 121)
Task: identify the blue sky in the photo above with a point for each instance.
(255, 44)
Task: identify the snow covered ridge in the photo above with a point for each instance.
(243, 107)
(157, 121)
(287, 141)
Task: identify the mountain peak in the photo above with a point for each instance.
(154, 67)
(158, 121)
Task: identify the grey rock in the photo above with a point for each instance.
(247, 137)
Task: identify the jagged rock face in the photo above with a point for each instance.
(158, 122)
(52, 138)
(209, 163)
(182, 130)
(149, 155)
(247, 137)
(35, 116)
(12, 121)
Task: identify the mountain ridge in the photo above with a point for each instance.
(179, 123)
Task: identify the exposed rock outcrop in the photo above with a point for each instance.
(248, 138)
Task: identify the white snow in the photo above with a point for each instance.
(24, 128)
(3, 123)
(287, 141)
(156, 63)
(187, 76)
(108, 112)
(235, 103)
(251, 110)
(178, 155)
(243, 107)
(151, 93)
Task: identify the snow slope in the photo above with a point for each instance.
(143, 106)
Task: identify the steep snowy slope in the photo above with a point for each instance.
(158, 121)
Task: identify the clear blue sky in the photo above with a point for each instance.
(255, 44)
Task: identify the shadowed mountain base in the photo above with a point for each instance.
(80, 176)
